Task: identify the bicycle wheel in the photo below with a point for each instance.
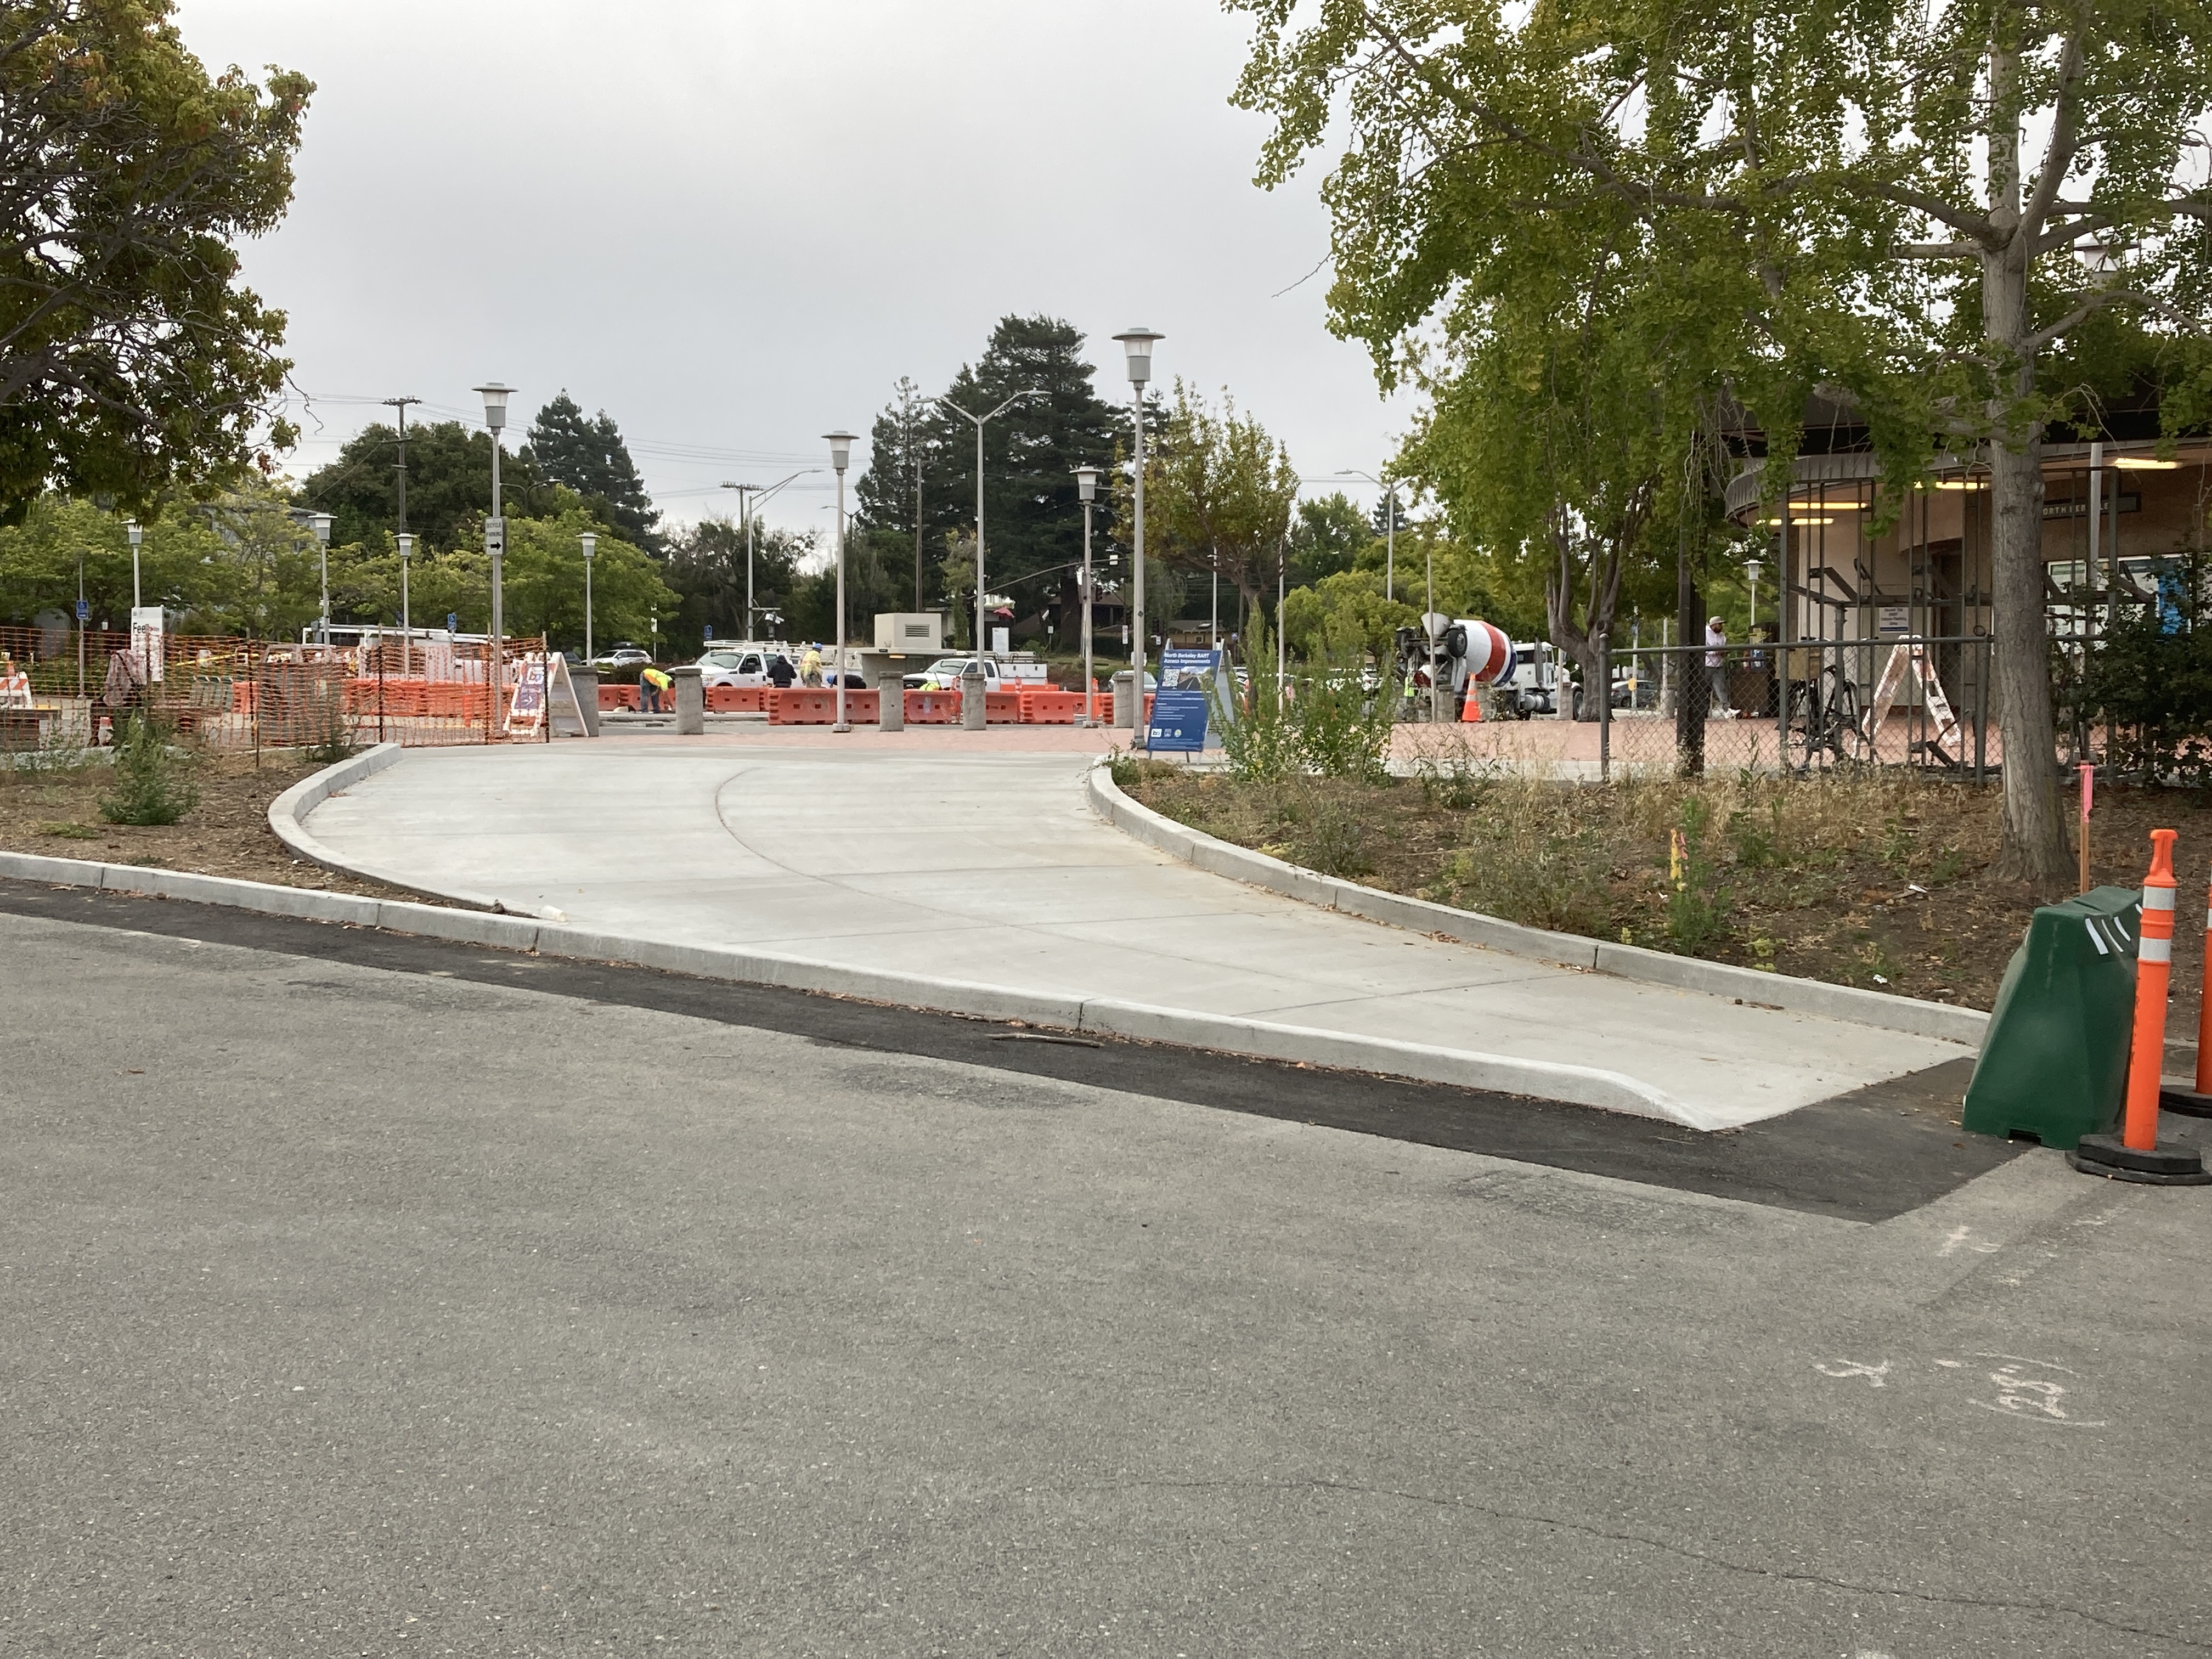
(1804, 727)
(1850, 742)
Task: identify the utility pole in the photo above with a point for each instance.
(400, 403)
(758, 494)
(917, 515)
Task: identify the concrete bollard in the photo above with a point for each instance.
(890, 700)
(973, 709)
(587, 682)
(1125, 700)
(691, 701)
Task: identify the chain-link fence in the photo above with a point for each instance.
(1806, 706)
(71, 686)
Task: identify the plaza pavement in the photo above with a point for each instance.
(974, 857)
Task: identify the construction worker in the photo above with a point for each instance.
(809, 667)
(781, 673)
(653, 685)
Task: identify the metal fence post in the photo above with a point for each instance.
(1605, 707)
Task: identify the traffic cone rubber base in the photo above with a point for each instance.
(2166, 1166)
(2187, 1102)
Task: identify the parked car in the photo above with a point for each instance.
(624, 655)
(946, 672)
(724, 665)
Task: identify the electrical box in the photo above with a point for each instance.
(909, 630)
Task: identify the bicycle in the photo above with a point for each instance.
(1824, 719)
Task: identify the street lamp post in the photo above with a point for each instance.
(982, 642)
(841, 457)
(591, 545)
(1138, 344)
(323, 536)
(1389, 528)
(406, 613)
(137, 534)
(495, 397)
(1086, 489)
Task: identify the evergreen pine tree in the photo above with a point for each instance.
(590, 456)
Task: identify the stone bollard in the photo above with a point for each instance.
(1126, 706)
(972, 706)
(691, 701)
(587, 682)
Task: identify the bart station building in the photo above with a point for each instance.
(2120, 524)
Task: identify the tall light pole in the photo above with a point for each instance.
(982, 642)
(1137, 344)
(137, 534)
(1086, 489)
(758, 493)
(591, 545)
(323, 522)
(495, 397)
(841, 457)
(406, 615)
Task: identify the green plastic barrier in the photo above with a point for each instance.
(2055, 1062)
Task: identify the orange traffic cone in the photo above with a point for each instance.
(2134, 1154)
(1472, 708)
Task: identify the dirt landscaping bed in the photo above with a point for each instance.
(1886, 881)
(56, 812)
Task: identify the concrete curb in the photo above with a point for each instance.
(1846, 1003)
(1579, 1086)
(287, 816)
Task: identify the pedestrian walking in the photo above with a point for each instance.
(1716, 668)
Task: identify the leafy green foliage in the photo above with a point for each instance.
(131, 357)
(152, 785)
(2152, 690)
(448, 484)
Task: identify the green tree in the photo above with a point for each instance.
(131, 355)
(1033, 528)
(448, 484)
(706, 567)
(1219, 492)
(591, 459)
(1327, 537)
(1891, 202)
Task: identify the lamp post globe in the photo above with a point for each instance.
(1137, 344)
(841, 457)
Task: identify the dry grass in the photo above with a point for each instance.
(1886, 880)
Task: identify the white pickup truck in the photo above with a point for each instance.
(945, 673)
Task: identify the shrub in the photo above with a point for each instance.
(152, 784)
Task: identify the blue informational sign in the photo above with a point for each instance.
(453, 622)
(709, 633)
(1193, 695)
(84, 610)
(1178, 720)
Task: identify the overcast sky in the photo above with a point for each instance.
(733, 224)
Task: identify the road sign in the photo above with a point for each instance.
(84, 610)
(453, 622)
(709, 633)
(495, 537)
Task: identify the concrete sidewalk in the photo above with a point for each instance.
(990, 869)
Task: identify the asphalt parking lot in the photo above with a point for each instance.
(381, 1297)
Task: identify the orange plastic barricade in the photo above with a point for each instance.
(619, 696)
(863, 703)
(735, 699)
(796, 705)
(1002, 708)
(933, 708)
(1043, 705)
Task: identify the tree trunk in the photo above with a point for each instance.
(1692, 690)
(2035, 847)
(1580, 640)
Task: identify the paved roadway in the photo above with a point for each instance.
(354, 1311)
(991, 868)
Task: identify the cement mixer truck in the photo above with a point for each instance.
(1450, 654)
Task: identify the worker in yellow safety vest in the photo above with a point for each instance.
(653, 685)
